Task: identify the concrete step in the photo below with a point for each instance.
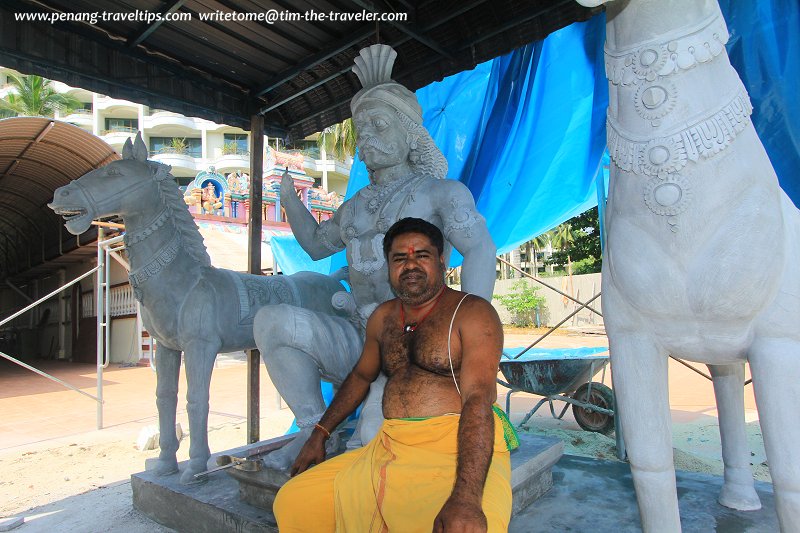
(217, 506)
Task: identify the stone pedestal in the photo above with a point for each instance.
(217, 505)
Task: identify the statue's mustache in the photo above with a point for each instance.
(374, 142)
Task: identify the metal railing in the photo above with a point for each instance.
(99, 397)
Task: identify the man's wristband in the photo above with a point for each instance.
(322, 429)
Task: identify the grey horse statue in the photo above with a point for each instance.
(187, 305)
(702, 255)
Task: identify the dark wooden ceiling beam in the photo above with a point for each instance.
(271, 27)
(107, 84)
(417, 36)
(395, 44)
(408, 5)
(313, 61)
(275, 105)
(136, 41)
(524, 17)
(319, 27)
(115, 43)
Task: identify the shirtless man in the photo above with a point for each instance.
(439, 461)
(407, 174)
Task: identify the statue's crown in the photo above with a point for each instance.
(373, 66)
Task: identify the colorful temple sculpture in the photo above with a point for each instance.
(216, 194)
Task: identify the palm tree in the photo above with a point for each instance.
(561, 237)
(35, 96)
(539, 242)
(339, 140)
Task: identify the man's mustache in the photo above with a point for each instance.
(405, 275)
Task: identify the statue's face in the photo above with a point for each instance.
(380, 136)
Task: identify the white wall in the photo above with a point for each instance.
(124, 348)
(582, 287)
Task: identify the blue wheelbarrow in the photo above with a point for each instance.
(564, 375)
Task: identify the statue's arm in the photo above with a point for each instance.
(466, 230)
(349, 396)
(481, 336)
(319, 240)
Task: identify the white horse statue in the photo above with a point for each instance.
(702, 256)
(187, 305)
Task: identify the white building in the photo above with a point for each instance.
(189, 145)
(194, 148)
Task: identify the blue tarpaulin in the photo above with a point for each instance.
(526, 131)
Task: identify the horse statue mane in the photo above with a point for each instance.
(172, 200)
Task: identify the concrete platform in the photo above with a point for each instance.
(598, 496)
(216, 505)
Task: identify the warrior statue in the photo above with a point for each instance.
(406, 173)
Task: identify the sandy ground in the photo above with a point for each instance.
(80, 481)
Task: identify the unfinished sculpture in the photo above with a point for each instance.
(187, 305)
(407, 173)
(693, 201)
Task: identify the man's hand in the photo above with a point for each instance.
(312, 453)
(458, 516)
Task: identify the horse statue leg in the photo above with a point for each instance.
(775, 365)
(738, 491)
(200, 356)
(640, 381)
(168, 364)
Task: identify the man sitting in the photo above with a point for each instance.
(440, 461)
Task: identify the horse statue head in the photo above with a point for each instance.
(121, 187)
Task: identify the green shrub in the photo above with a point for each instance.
(522, 302)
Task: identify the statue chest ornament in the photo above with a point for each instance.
(133, 237)
(376, 196)
(363, 263)
(160, 260)
(370, 224)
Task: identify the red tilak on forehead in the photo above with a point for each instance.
(411, 250)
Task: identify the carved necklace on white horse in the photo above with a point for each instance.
(662, 158)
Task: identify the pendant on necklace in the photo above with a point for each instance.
(410, 328)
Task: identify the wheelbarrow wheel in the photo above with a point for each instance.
(590, 420)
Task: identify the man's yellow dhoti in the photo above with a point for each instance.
(398, 482)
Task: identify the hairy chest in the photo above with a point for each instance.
(423, 349)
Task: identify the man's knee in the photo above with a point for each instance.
(285, 505)
(304, 505)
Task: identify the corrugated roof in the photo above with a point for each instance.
(38, 155)
(295, 73)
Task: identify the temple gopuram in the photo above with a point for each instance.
(225, 197)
